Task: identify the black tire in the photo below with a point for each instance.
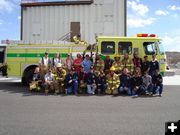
(27, 77)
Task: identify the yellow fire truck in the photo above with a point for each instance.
(22, 58)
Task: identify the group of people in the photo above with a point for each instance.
(124, 76)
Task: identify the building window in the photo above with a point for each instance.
(108, 47)
(124, 47)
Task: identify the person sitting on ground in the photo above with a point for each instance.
(60, 76)
(72, 82)
(91, 82)
(113, 82)
(136, 82)
(101, 82)
(147, 83)
(157, 83)
(50, 83)
(125, 87)
(36, 82)
(82, 80)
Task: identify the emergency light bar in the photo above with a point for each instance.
(146, 35)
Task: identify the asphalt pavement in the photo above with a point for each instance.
(25, 113)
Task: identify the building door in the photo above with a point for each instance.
(75, 29)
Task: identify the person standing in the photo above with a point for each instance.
(145, 65)
(56, 60)
(117, 64)
(87, 63)
(107, 64)
(136, 60)
(69, 62)
(44, 64)
(154, 65)
(127, 63)
(99, 63)
(78, 63)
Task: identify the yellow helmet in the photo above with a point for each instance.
(112, 68)
(117, 56)
(59, 65)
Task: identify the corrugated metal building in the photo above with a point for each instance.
(53, 20)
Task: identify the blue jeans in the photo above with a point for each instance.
(122, 90)
(73, 88)
(158, 88)
(90, 89)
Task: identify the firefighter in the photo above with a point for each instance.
(82, 80)
(101, 82)
(77, 40)
(117, 64)
(60, 77)
(44, 64)
(107, 64)
(36, 80)
(99, 63)
(113, 82)
(127, 63)
(3, 69)
(50, 83)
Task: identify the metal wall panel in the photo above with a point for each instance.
(52, 22)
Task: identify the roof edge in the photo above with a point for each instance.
(60, 3)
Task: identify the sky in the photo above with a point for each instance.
(160, 17)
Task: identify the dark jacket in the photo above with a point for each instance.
(69, 77)
(36, 77)
(145, 66)
(91, 78)
(154, 66)
(157, 79)
(137, 62)
(136, 81)
(124, 80)
(107, 64)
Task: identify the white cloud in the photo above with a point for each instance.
(174, 7)
(139, 22)
(176, 16)
(140, 9)
(171, 43)
(19, 17)
(6, 6)
(161, 12)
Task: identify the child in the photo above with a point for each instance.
(147, 83)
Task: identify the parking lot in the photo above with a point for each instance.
(25, 113)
